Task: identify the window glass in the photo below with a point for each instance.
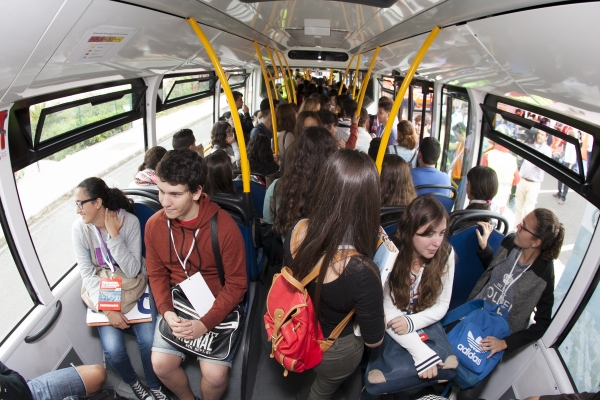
(580, 350)
(237, 79)
(15, 301)
(418, 111)
(59, 122)
(182, 86)
(454, 148)
(196, 115)
(578, 216)
(46, 190)
(225, 105)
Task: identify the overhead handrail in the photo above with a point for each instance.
(227, 90)
(365, 82)
(355, 80)
(266, 77)
(400, 96)
(345, 75)
(292, 85)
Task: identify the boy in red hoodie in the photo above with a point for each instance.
(179, 237)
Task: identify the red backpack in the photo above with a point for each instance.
(289, 319)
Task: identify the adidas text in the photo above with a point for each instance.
(469, 353)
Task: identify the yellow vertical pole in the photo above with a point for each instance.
(330, 77)
(355, 80)
(285, 80)
(245, 165)
(365, 82)
(400, 95)
(345, 76)
(291, 78)
(276, 73)
(271, 104)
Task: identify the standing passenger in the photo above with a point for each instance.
(265, 127)
(348, 219)
(407, 143)
(245, 118)
(286, 116)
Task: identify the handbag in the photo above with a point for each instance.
(131, 288)
(391, 368)
(219, 342)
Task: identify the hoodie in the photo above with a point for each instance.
(165, 271)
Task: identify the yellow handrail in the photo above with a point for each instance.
(365, 81)
(271, 104)
(245, 165)
(290, 73)
(345, 76)
(286, 82)
(400, 95)
(330, 76)
(355, 80)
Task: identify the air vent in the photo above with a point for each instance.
(317, 55)
(372, 3)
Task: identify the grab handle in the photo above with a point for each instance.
(36, 336)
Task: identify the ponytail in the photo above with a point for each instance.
(551, 232)
(112, 199)
(117, 199)
(142, 167)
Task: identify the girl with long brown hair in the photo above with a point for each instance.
(337, 223)
(420, 285)
(286, 123)
(397, 188)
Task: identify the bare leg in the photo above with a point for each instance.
(214, 381)
(93, 377)
(168, 369)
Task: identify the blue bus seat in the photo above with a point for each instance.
(389, 217)
(144, 208)
(468, 267)
(447, 201)
(258, 189)
(462, 219)
(148, 192)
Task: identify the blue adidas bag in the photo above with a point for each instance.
(481, 319)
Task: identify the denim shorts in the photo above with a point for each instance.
(57, 384)
(160, 345)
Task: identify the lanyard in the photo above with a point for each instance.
(103, 247)
(184, 262)
(508, 281)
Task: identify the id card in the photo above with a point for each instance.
(109, 296)
(198, 293)
(422, 335)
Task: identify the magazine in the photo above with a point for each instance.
(138, 314)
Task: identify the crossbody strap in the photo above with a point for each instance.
(92, 248)
(214, 238)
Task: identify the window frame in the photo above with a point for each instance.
(162, 105)
(460, 94)
(26, 149)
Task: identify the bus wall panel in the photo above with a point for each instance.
(24, 23)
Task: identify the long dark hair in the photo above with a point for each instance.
(304, 159)
(259, 152)
(285, 114)
(300, 121)
(219, 173)
(350, 217)
(422, 211)
(152, 158)
(397, 188)
(218, 134)
(550, 231)
(112, 198)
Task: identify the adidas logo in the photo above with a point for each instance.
(473, 349)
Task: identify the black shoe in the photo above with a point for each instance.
(140, 391)
(159, 394)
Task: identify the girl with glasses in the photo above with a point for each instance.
(520, 276)
(223, 138)
(108, 236)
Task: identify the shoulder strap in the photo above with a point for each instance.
(89, 238)
(214, 238)
(414, 154)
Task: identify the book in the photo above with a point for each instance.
(138, 314)
(385, 256)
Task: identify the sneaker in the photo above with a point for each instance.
(140, 391)
(159, 394)
(557, 195)
(561, 201)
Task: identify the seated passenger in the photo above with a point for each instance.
(222, 138)
(374, 148)
(482, 186)
(178, 243)
(71, 381)
(219, 174)
(287, 199)
(364, 138)
(426, 174)
(185, 139)
(260, 157)
(306, 119)
(407, 143)
(108, 225)
(397, 187)
(420, 285)
(265, 126)
(146, 177)
(520, 276)
(347, 283)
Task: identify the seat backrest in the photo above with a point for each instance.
(144, 209)
(461, 219)
(440, 193)
(151, 193)
(468, 268)
(258, 189)
(390, 215)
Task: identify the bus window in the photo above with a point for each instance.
(454, 129)
(15, 303)
(580, 350)
(46, 190)
(518, 191)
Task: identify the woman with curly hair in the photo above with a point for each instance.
(287, 199)
(222, 138)
(407, 143)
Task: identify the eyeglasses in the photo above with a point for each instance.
(521, 226)
(80, 203)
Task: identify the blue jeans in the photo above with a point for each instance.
(113, 342)
(57, 385)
